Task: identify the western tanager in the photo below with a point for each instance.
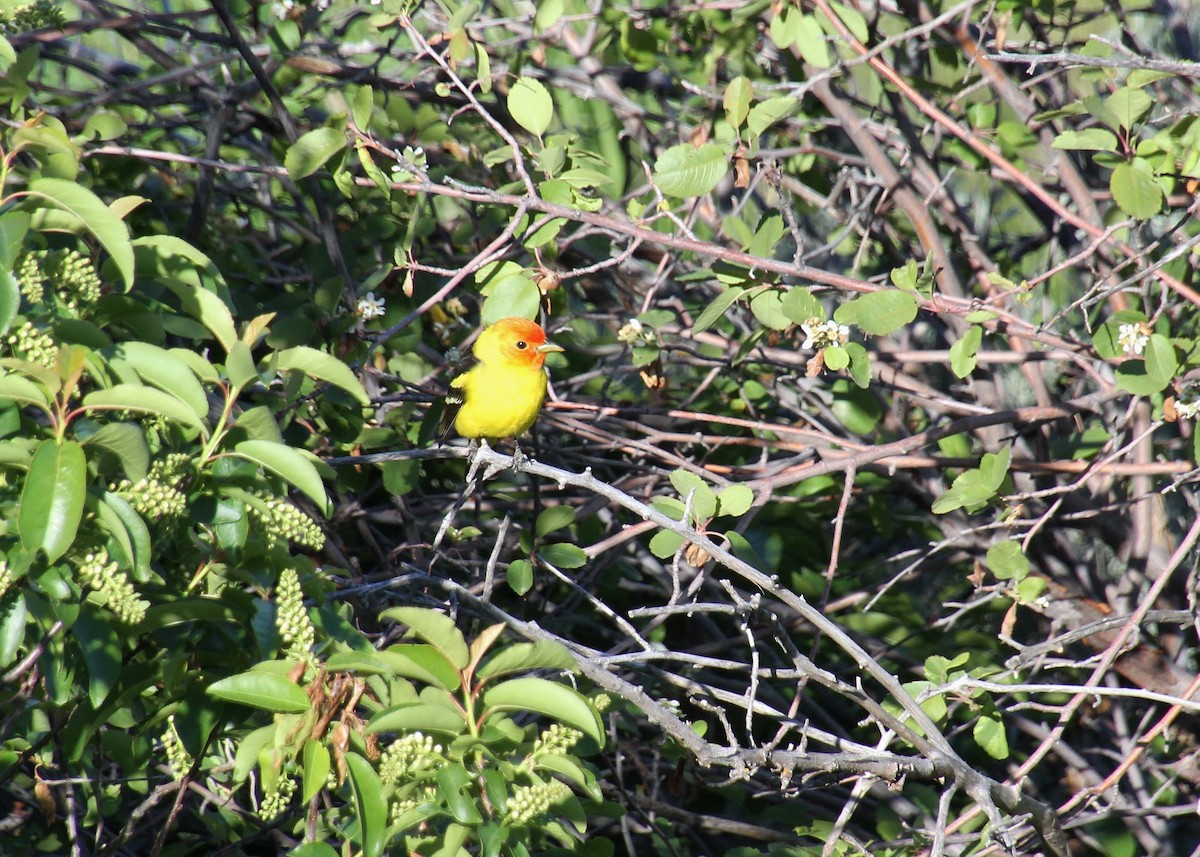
(501, 390)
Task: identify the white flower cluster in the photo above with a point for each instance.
(824, 334)
(370, 307)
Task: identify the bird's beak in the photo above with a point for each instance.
(547, 347)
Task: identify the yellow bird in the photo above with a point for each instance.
(501, 392)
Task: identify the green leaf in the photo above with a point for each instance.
(17, 389)
(264, 690)
(766, 113)
(1006, 561)
(435, 628)
(526, 657)
(1135, 189)
(767, 306)
(530, 105)
(664, 544)
(422, 662)
(1161, 363)
(993, 466)
(836, 358)
(735, 500)
(1106, 339)
(554, 518)
(563, 555)
(288, 464)
(1128, 105)
(143, 400)
(127, 442)
(737, 101)
(962, 352)
(799, 305)
(703, 500)
(810, 41)
(312, 150)
(548, 698)
(989, 735)
(860, 364)
(515, 296)
(10, 299)
(716, 309)
(52, 499)
(135, 530)
(164, 370)
(970, 490)
(324, 367)
(1087, 140)
(315, 759)
(454, 784)
(361, 663)
(878, 313)
(519, 576)
(370, 805)
(418, 717)
(101, 651)
(94, 215)
(208, 309)
(687, 171)
(13, 615)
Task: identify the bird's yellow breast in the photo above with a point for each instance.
(500, 400)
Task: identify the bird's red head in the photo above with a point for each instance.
(518, 341)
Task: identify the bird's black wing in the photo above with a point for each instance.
(455, 397)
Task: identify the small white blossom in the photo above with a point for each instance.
(1133, 338)
(370, 307)
(1187, 410)
(283, 8)
(824, 334)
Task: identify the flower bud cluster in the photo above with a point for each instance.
(556, 740)
(634, 333)
(601, 702)
(113, 584)
(276, 800)
(73, 275)
(32, 16)
(152, 498)
(408, 755)
(526, 803)
(295, 628)
(284, 522)
(36, 346)
(425, 794)
(178, 758)
(5, 578)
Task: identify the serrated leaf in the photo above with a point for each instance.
(312, 151)
(989, 735)
(1135, 189)
(1087, 140)
(735, 500)
(1128, 105)
(94, 215)
(664, 544)
(766, 113)
(264, 690)
(1007, 561)
(322, 366)
(563, 555)
(963, 352)
(52, 498)
(519, 576)
(530, 105)
(288, 464)
(688, 171)
(878, 313)
(435, 628)
(737, 101)
(547, 698)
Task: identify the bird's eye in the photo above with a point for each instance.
(522, 344)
